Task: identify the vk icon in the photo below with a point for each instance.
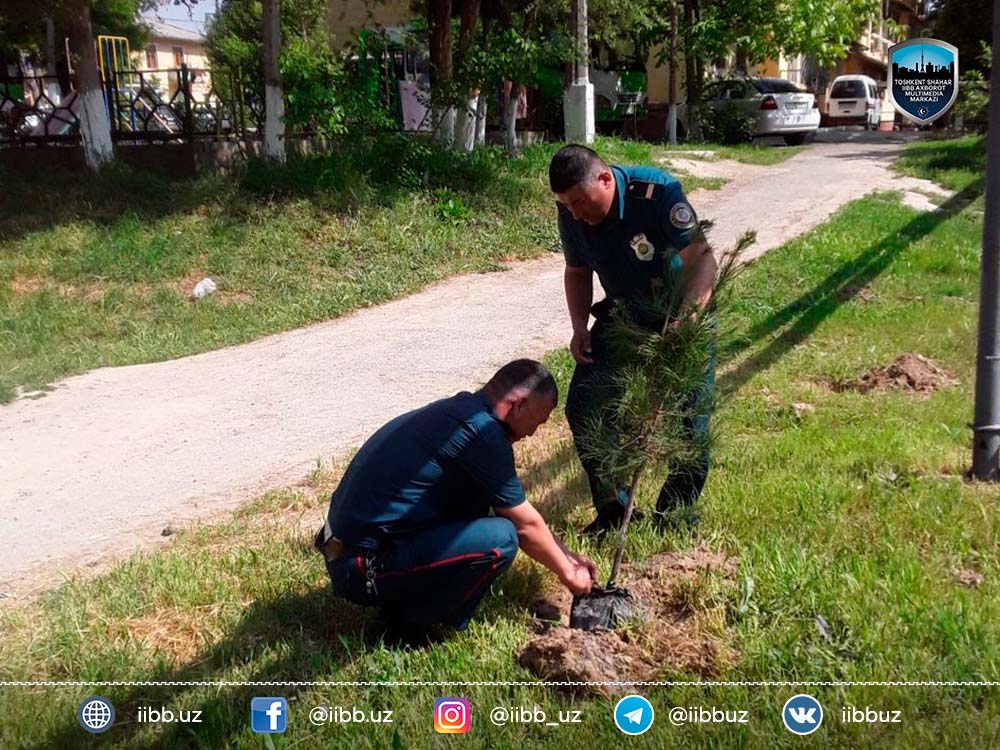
(802, 714)
(268, 715)
(633, 714)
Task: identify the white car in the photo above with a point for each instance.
(780, 107)
(854, 100)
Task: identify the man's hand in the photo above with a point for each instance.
(579, 347)
(585, 562)
(700, 268)
(579, 283)
(580, 581)
(576, 572)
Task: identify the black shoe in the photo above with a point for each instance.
(610, 521)
(678, 518)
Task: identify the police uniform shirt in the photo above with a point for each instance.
(447, 461)
(650, 221)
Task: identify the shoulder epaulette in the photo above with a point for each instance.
(644, 190)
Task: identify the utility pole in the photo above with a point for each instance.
(672, 83)
(578, 99)
(986, 439)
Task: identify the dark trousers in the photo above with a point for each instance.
(589, 391)
(435, 576)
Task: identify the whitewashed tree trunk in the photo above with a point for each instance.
(481, 121)
(51, 84)
(465, 125)
(274, 96)
(513, 148)
(444, 125)
(95, 127)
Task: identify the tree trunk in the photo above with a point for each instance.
(465, 124)
(516, 89)
(693, 71)
(481, 120)
(95, 127)
(274, 97)
(51, 83)
(443, 113)
(465, 118)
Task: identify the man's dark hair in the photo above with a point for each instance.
(523, 373)
(573, 165)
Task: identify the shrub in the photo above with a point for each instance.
(729, 123)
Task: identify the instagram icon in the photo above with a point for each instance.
(452, 716)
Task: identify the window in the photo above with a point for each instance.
(712, 91)
(848, 90)
(178, 56)
(151, 57)
(775, 86)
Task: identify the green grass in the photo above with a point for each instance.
(749, 153)
(954, 164)
(99, 271)
(855, 512)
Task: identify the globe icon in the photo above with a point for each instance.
(96, 714)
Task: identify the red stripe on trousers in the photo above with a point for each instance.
(429, 566)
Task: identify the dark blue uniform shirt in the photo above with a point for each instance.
(447, 461)
(649, 222)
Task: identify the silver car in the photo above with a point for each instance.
(779, 107)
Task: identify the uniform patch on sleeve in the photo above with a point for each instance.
(681, 216)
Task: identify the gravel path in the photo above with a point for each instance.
(108, 459)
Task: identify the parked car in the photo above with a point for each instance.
(854, 100)
(779, 107)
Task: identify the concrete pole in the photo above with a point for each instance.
(274, 98)
(986, 440)
(578, 100)
(672, 95)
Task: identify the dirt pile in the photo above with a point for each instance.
(908, 372)
(684, 628)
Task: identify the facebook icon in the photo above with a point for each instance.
(802, 714)
(268, 715)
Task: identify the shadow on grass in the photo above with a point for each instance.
(554, 489)
(801, 317)
(359, 174)
(313, 635)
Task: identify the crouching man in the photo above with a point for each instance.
(410, 528)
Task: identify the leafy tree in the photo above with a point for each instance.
(968, 24)
(235, 34)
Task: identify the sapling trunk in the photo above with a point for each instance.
(620, 553)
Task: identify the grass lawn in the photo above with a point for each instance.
(748, 153)
(854, 512)
(955, 163)
(99, 271)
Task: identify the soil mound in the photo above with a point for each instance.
(908, 372)
(684, 629)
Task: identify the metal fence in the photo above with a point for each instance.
(143, 106)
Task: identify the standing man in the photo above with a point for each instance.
(635, 229)
(409, 527)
